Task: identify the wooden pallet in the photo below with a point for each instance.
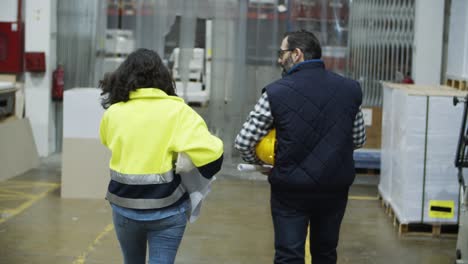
(425, 229)
(420, 229)
(386, 206)
(459, 84)
(370, 172)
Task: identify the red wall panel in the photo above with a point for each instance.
(11, 47)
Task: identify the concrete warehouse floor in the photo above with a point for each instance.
(37, 226)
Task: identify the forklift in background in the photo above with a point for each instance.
(461, 162)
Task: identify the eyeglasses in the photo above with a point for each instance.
(281, 52)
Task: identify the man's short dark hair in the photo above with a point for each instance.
(306, 41)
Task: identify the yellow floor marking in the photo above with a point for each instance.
(29, 203)
(18, 194)
(363, 198)
(17, 186)
(30, 183)
(82, 258)
(7, 211)
(4, 197)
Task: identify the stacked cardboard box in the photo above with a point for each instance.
(85, 161)
(17, 147)
(373, 122)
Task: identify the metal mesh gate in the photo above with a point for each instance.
(380, 44)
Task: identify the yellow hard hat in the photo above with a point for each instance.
(265, 149)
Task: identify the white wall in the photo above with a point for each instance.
(427, 50)
(41, 36)
(9, 10)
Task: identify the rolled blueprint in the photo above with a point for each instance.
(252, 167)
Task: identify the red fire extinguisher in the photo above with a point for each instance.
(57, 83)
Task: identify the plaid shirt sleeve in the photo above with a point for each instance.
(359, 130)
(258, 124)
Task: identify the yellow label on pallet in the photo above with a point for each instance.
(441, 209)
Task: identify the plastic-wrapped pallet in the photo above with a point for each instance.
(444, 121)
(408, 155)
(419, 139)
(387, 143)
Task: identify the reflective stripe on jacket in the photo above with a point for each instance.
(144, 135)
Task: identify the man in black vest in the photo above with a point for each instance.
(319, 123)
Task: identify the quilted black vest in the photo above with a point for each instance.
(313, 110)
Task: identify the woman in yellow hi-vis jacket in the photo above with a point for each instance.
(145, 126)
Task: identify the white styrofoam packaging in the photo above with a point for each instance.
(82, 113)
(195, 92)
(119, 41)
(419, 140)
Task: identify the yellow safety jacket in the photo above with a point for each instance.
(145, 134)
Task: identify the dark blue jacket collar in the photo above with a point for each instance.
(306, 65)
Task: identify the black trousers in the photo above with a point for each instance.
(291, 217)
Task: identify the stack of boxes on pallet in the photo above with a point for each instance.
(457, 59)
(420, 130)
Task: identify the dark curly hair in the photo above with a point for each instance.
(143, 68)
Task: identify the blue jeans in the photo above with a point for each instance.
(162, 236)
(290, 223)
